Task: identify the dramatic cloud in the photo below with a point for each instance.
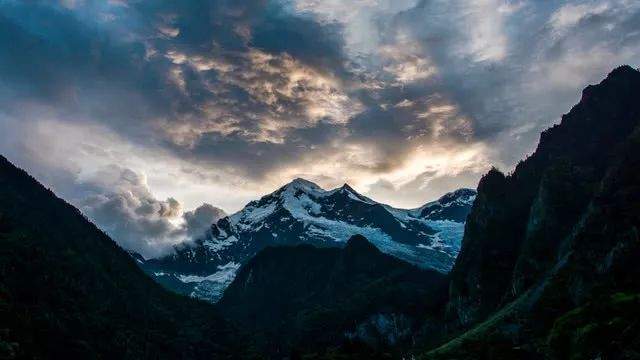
(98, 178)
(123, 206)
(199, 220)
(137, 110)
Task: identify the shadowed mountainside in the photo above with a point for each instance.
(68, 291)
(547, 266)
(356, 299)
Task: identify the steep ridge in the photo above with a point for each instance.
(356, 299)
(68, 291)
(546, 268)
(302, 212)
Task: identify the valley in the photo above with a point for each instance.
(539, 263)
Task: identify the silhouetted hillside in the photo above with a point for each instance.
(355, 299)
(548, 261)
(68, 291)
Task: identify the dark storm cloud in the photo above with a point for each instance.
(507, 81)
(132, 63)
(212, 79)
(306, 40)
(51, 56)
(406, 98)
(246, 85)
(259, 158)
(187, 76)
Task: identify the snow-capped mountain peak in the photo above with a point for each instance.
(300, 198)
(451, 206)
(303, 212)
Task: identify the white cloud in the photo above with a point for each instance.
(570, 14)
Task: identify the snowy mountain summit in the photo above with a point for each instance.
(303, 212)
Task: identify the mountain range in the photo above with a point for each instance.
(303, 213)
(547, 266)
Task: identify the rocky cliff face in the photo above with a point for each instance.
(519, 221)
(549, 243)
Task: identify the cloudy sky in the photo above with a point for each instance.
(140, 112)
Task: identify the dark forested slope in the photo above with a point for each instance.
(315, 299)
(548, 265)
(68, 291)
